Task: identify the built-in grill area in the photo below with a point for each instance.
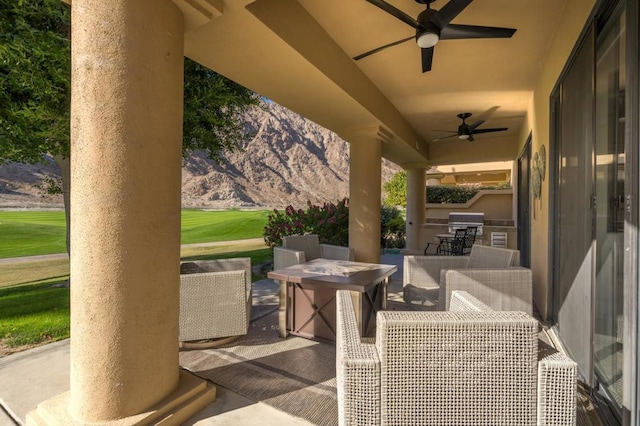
(464, 220)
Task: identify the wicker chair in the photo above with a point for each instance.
(470, 366)
(421, 274)
(298, 249)
(215, 301)
(508, 289)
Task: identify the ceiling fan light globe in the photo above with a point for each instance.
(463, 136)
(427, 39)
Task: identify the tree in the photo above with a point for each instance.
(34, 69)
(212, 106)
(396, 190)
(35, 58)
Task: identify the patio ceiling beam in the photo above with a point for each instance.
(289, 21)
(198, 12)
(483, 149)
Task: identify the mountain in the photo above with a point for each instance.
(289, 160)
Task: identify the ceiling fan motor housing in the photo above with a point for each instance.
(428, 33)
(463, 131)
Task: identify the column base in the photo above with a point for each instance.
(191, 396)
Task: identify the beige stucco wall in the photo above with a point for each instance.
(495, 204)
(574, 17)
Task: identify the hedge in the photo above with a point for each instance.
(456, 194)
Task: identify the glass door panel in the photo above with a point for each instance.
(573, 269)
(609, 222)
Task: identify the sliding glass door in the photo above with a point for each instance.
(573, 264)
(589, 222)
(609, 192)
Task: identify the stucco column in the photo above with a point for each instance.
(365, 191)
(416, 204)
(126, 134)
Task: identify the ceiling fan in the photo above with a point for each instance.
(466, 131)
(434, 25)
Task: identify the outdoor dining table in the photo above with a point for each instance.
(443, 238)
(443, 241)
(308, 291)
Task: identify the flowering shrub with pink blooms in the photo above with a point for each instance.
(329, 221)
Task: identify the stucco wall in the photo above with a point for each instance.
(495, 204)
(574, 17)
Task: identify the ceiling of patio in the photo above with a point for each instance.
(299, 54)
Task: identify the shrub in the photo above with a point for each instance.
(457, 194)
(393, 230)
(330, 222)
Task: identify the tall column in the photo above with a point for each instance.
(416, 204)
(365, 191)
(126, 134)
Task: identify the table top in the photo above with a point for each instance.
(343, 274)
(441, 236)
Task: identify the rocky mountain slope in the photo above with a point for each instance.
(290, 160)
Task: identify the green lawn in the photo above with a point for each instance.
(37, 313)
(28, 233)
(32, 315)
(33, 312)
(201, 226)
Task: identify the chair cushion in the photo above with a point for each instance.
(490, 257)
(309, 244)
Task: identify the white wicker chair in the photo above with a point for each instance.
(508, 289)
(421, 274)
(468, 366)
(215, 301)
(298, 249)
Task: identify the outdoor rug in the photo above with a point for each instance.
(294, 375)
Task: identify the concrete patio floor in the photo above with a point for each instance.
(32, 376)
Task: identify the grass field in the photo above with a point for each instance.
(29, 233)
(34, 312)
(202, 226)
(32, 315)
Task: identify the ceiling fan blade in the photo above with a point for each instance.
(447, 131)
(450, 11)
(497, 129)
(394, 11)
(427, 59)
(376, 50)
(471, 138)
(476, 124)
(454, 31)
(445, 137)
